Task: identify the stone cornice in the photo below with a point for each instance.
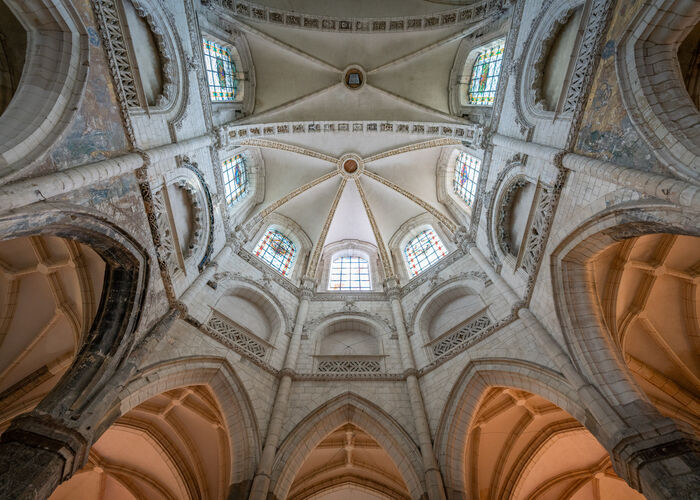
(444, 19)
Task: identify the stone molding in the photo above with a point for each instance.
(232, 134)
(460, 335)
(454, 17)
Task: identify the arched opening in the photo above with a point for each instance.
(50, 291)
(146, 53)
(522, 446)
(348, 461)
(174, 445)
(689, 60)
(514, 216)
(558, 52)
(13, 48)
(304, 451)
(647, 290)
(251, 311)
(448, 310)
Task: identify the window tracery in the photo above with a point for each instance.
(277, 250)
(350, 273)
(221, 71)
(235, 176)
(466, 178)
(423, 251)
(485, 73)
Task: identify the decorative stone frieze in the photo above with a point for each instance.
(262, 13)
(463, 334)
(336, 366)
(232, 335)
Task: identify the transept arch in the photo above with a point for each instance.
(347, 408)
(461, 406)
(618, 295)
(174, 445)
(673, 135)
(74, 402)
(217, 374)
(34, 121)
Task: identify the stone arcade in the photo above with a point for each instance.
(350, 249)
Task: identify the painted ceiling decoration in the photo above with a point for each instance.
(349, 249)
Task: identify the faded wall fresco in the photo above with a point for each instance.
(606, 130)
(119, 201)
(96, 132)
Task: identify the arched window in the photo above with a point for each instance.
(221, 71)
(349, 273)
(277, 250)
(466, 177)
(423, 251)
(485, 73)
(235, 175)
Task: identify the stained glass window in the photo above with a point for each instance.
(466, 177)
(277, 250)
(221, 71)
(235, 176)
(485, 73)
(349, 273)
(423, 251)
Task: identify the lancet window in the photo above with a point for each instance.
(277, 250)
(221, 71)
(485, 74)
(349, 273)
(235, 175)
(466, 179)
(423, 251)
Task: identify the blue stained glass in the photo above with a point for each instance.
(423, 251)
(277, 250)
(235, 175)
(220, 71)
(349, 273)
(485, 74)
(466, 177)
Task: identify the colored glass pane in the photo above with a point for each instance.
(235, 175)
(220, 70)
(349, 273)
(423, 251)
(466, 177)
(485, 73)
(277, 250)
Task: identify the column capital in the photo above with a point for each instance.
(308, 287)
(661, 466)
(48, 434)
(392, 288)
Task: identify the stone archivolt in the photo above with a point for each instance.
(147, 351)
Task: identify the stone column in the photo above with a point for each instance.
(261, 482)
(205, 275)
(495, 278)
(433, 478)
(654, 455)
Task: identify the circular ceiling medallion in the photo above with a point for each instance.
(350, 165)
(354, 77)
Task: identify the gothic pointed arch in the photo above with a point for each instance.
(109, 340)
(236, 407)
(460, 407)
(347, 408)
(624, 280)
(34, 120)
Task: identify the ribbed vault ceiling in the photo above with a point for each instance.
(299, 77)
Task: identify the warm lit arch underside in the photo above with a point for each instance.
(172, 446)
(348, 460)
(521, 446)
(647, 288)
